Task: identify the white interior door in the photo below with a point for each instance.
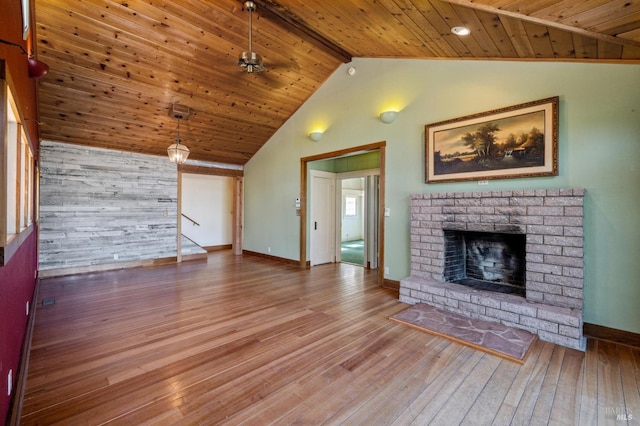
(322, 215)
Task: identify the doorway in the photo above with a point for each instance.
(195, 188)
(207, 210)
(358, 232)
(377, 251)
(352, 221)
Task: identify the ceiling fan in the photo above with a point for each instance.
(250, 60)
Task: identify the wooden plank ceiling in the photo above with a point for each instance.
(118, 66)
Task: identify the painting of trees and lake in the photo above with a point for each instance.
(511, 142)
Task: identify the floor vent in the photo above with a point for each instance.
(48, 301)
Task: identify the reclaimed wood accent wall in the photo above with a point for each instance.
(100, 206)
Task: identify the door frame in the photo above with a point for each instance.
(377, 146)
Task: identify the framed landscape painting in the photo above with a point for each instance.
(511, 142)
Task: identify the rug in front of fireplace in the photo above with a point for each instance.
(491, 337)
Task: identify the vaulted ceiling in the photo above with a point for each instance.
(118, 66)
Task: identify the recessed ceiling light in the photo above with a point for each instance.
(461, 31)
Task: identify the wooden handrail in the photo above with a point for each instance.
(192, 221)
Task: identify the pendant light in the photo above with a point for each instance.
(178, 153)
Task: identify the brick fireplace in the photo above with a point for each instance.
(551, 224)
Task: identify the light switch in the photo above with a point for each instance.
(387, 211)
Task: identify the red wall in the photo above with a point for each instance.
(17, 284)
(17, 281)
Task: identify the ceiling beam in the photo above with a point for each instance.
(210, 170)
(290, 22)
(501, 12)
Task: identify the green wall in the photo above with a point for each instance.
(366, 161)
(599, 148)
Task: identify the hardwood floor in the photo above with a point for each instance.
(246, 340)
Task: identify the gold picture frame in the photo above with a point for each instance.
(512, 142)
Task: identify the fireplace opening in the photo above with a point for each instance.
(486, 260)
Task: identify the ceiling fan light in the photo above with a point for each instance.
(178, 153)
(251, 61)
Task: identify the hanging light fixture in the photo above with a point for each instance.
(250, 60)
(36, 68)
(178, 153)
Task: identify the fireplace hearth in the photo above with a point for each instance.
(529, 271)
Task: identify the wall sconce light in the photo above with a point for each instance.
(388, 116)
(36, 68)
(315, 136)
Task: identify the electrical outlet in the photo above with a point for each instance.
(116, 256)
(386, 270)
(268, 249)
(9, 382)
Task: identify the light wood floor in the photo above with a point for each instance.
(245, 340)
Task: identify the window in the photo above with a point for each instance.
(350, 206)
(16, 178)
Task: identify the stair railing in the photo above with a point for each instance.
(193, 222)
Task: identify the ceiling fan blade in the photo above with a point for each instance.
(273, 82)
(284, 64)
(268, 79)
